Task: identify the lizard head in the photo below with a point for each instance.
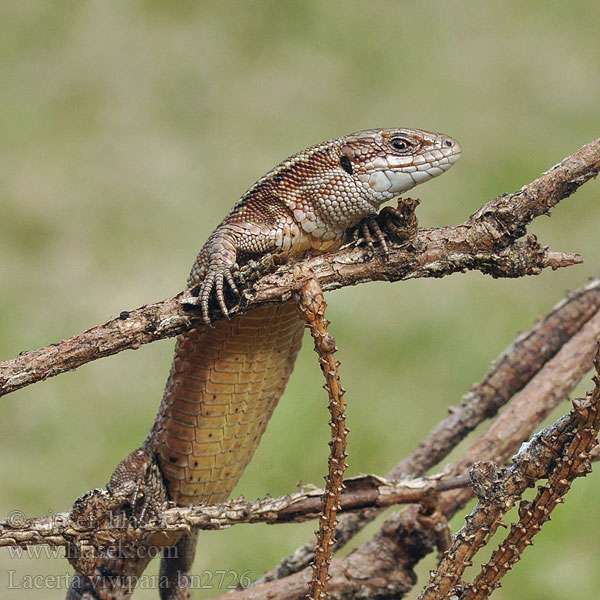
(389, 162)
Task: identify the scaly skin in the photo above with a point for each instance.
(226, 379)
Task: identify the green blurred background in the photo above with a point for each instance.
(128, 129)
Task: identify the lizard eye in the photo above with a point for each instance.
(346, 164)
(400, 144)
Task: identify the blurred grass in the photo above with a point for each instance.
(127, 130)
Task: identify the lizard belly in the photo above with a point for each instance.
(223, 387)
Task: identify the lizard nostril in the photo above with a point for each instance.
(449, 143)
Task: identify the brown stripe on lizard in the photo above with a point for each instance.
(226, 379)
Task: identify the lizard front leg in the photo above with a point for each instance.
(233, 243)
(397, 224)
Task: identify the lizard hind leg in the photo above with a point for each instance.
(175, 565)
(81, 588)
(109, 568)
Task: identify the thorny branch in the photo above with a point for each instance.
(311, 305)
(575, 323)
(561, 453)
(485, 242)
(574, 462)
(392, 555)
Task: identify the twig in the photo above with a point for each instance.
(574, 462)
(485, 242)
(358, 496)
(551, 385)
(509, 374)
(311, 305)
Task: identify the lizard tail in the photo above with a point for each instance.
(224, 385)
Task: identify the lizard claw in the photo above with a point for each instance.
(229, 278)
(399, 223)
(215, 279)
(390, 224)
(370, 232)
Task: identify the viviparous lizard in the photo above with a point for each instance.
(227, 378)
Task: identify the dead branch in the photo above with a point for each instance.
(311, 305)
(497, 444)
(485, 242)
(304, 505)
(561, 450)
(382, 567)
(552, 385)
(572, 463)
(509, 374)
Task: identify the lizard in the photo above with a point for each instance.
(227, 377)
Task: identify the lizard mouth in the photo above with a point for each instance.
(401, 175)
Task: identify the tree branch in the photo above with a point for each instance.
(382, 568)
(311, 305)
(366, 490)
(561, 453)
(486, 242)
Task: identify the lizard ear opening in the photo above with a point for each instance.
(346, 164)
